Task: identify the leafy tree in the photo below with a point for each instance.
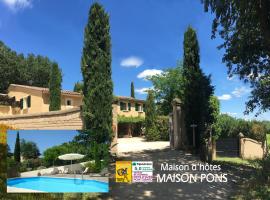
(29, 150)
(78, 87)
(214, 109)
(151, 131)
(245, 28)
(17, 149)
(9, 154)
(132, 93)
(55, 88)
(197, 89)
(96, 71)
(19, 69)
(167, 86)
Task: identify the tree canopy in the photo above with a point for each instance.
(151, 132)
(55, 88)
(132, 92)
(17, 69)
(96, 71)
(167, 86)
(197, 89)
(29, 149)
(17, 149)
(78, 87)
(245, 28)
(97, 81)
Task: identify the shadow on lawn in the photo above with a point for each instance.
(172, 191)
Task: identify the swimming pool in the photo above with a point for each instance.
(48, 184)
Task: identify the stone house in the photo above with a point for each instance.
(26, 106)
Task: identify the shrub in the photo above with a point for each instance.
(93, 167)
(162, 125)
(12, 168)
(30, 163)
(227, 126)
(152, 134)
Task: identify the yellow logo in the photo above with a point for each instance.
(123, 172)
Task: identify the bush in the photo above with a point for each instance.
(93, 168)
(162, 125)
(227, 126)
(152, 134)
(30, 163)
(12, 168)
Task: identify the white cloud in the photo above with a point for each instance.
(17, 4)
(231, 113)
(225, 97)
(143, 90)
(148, 73)
(131, 61)
(239, 92)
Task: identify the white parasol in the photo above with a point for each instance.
(71, 156)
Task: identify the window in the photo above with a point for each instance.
(143, 107)
(69, 102)
(25, 102)
(28, 101)
(129, 106)
(138, 107)
(123, 106)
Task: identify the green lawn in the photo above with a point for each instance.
(234, 160)
(254, 187)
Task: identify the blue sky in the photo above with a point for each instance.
(41, 137)
(147, 37)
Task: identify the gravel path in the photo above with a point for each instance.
(169, 191)
(126, 146)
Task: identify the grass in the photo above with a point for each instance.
(234, 161)
(253, 188)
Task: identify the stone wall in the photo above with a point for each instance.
(55, 120)
(70, 119)
(251, 149)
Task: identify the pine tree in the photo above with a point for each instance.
(197, 88)
(96, 71)
(132, 93)
(55, 88)
(17, 149)
(151, 131)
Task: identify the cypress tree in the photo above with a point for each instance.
(197, 89)
(55, 88)
(17, 149)
(132, 93)
(151, 131)
(96, 71)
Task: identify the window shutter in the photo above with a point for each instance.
(21, 104)
(29, 101)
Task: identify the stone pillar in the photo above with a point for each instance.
(178, 139)
(115, 130)
(171, 131)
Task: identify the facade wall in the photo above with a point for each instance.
(76, 101)
(132, 112)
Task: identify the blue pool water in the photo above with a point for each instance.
(48, 184)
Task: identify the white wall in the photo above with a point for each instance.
(78, 166)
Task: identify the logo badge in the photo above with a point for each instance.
(142, 171)
(123, 172)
